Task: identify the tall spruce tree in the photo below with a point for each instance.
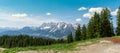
(94, 29)
(84, 32)
(118, 22)
(78, 33)
(70, 38)
(90, 28)
(96, 22)
(106, 29)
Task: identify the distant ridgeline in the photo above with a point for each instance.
(46, 30)
(100, 25)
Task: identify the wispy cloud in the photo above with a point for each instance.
(82, 8)
(78, 20)
(87, 15)
(21, 20)
(20, 15)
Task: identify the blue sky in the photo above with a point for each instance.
(20, 13)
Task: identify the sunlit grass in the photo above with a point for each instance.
(58, 47)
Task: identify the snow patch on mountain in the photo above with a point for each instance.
(47, 27)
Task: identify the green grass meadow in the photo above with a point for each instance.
(54, 47)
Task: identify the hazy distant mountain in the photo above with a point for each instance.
(6, 29)
(51, 30)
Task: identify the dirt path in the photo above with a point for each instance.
(101, 47)
(1, 49)
(104, 46)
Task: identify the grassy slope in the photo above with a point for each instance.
(60, 47)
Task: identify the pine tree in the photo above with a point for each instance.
(105, 23)
(96, 25)
(94, 29)
(78, 33)
(84, 32)
(90, 28)
(118, 22)
(70, 38)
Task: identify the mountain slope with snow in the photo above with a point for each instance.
(50, 30)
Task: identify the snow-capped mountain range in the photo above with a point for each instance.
(50, 30)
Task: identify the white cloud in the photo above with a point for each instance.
(114, 13)
(78, 20)
(98, 10)
(82, 8)
(48, 13)
(88, 15)
(20, 15)
(91, 12)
